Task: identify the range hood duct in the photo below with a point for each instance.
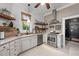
(54, 20)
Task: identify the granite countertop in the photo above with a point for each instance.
(6, 40)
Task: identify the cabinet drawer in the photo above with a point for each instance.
(4, 47)
(14, 52)
(4, 52)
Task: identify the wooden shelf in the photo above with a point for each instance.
(8, 17)
(40, 27)
(41, 23)
(24, 13)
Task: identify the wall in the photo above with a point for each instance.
(70, 11)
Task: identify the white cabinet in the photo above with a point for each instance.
(28, 42)
(4, 50)
(33, 41)
(12, 49)
(15, 47)
(59, 41)
(25, 43)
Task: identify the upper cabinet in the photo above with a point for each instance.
(6, 14)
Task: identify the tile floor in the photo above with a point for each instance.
(72, 49)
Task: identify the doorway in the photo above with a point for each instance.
(72, 29)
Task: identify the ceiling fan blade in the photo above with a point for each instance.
(37, 5)
(47, 5)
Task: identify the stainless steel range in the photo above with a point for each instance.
(52, 39)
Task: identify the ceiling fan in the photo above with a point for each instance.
(47, 5)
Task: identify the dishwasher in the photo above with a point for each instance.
(39, 40)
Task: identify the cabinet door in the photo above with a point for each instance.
(4, 50)
(33, 41)
(25, 44)
(12, 48)
(17, 46)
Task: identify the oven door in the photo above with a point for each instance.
(52, 40)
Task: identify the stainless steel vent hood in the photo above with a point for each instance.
(54, 20)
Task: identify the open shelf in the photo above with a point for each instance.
(41, 23)
(8, 17)
(40, 27)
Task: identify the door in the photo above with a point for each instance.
(67, 30)
(74, 29)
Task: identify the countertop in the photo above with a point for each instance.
(7, 40)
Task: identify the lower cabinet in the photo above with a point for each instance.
(17, 46)
(4, 50)
(25, 43)
(33, 41)
(28, 42)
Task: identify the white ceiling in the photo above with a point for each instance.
(42, 8)
(39, 12)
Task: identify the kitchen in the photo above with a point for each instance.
(22, 28)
